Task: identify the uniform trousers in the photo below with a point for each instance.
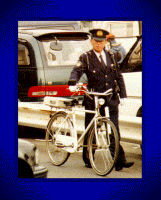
(113, 113)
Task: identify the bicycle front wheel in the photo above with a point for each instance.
(59, 124)
(103, 146)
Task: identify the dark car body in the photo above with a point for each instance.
(28, 166)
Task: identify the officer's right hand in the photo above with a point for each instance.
(75, 87)
(72, 88)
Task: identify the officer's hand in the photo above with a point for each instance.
(79, 84)
(122, 101)
(75, 87)
(72, 88)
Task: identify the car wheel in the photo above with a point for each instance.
(24, 170)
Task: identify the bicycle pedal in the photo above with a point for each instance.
(66, 142)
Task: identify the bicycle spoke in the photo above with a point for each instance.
(59, 124)
(104, 155)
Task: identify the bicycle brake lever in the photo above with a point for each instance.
(88, 96)
(108, 91)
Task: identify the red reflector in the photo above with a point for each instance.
(53, 90)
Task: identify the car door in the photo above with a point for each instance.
(27, 71)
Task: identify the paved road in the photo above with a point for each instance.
(74, 167)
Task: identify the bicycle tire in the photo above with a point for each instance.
(103, 157)
(59, 121)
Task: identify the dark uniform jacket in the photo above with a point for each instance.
(99, 79)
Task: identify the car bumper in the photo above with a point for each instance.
(40, 172)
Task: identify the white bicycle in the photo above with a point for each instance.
(61, 133)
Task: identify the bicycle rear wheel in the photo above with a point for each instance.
(103, 152)
(59, 124)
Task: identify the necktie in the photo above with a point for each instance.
(102, 62)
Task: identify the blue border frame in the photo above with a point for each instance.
(148, 187)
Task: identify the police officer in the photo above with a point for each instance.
(99, 69)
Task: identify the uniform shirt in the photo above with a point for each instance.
(103, 56)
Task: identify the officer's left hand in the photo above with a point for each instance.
(122, 101)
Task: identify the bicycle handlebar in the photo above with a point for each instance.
(80, 87)
(106, 93)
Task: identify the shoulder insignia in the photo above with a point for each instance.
(79, 63)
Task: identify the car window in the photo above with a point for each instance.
(136, 56)
(23, 55)
(134, 63)
(69, 55)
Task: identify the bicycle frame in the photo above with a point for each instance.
(74, 145)
(77, 143)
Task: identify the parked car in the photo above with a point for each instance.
(28, 157)
(131, 68)
(45, 61)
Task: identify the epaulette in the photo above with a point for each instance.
(87, 53)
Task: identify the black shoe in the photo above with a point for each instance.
(88, 165)
(125, 164)
(118, 168)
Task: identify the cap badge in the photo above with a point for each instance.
(99, 33)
